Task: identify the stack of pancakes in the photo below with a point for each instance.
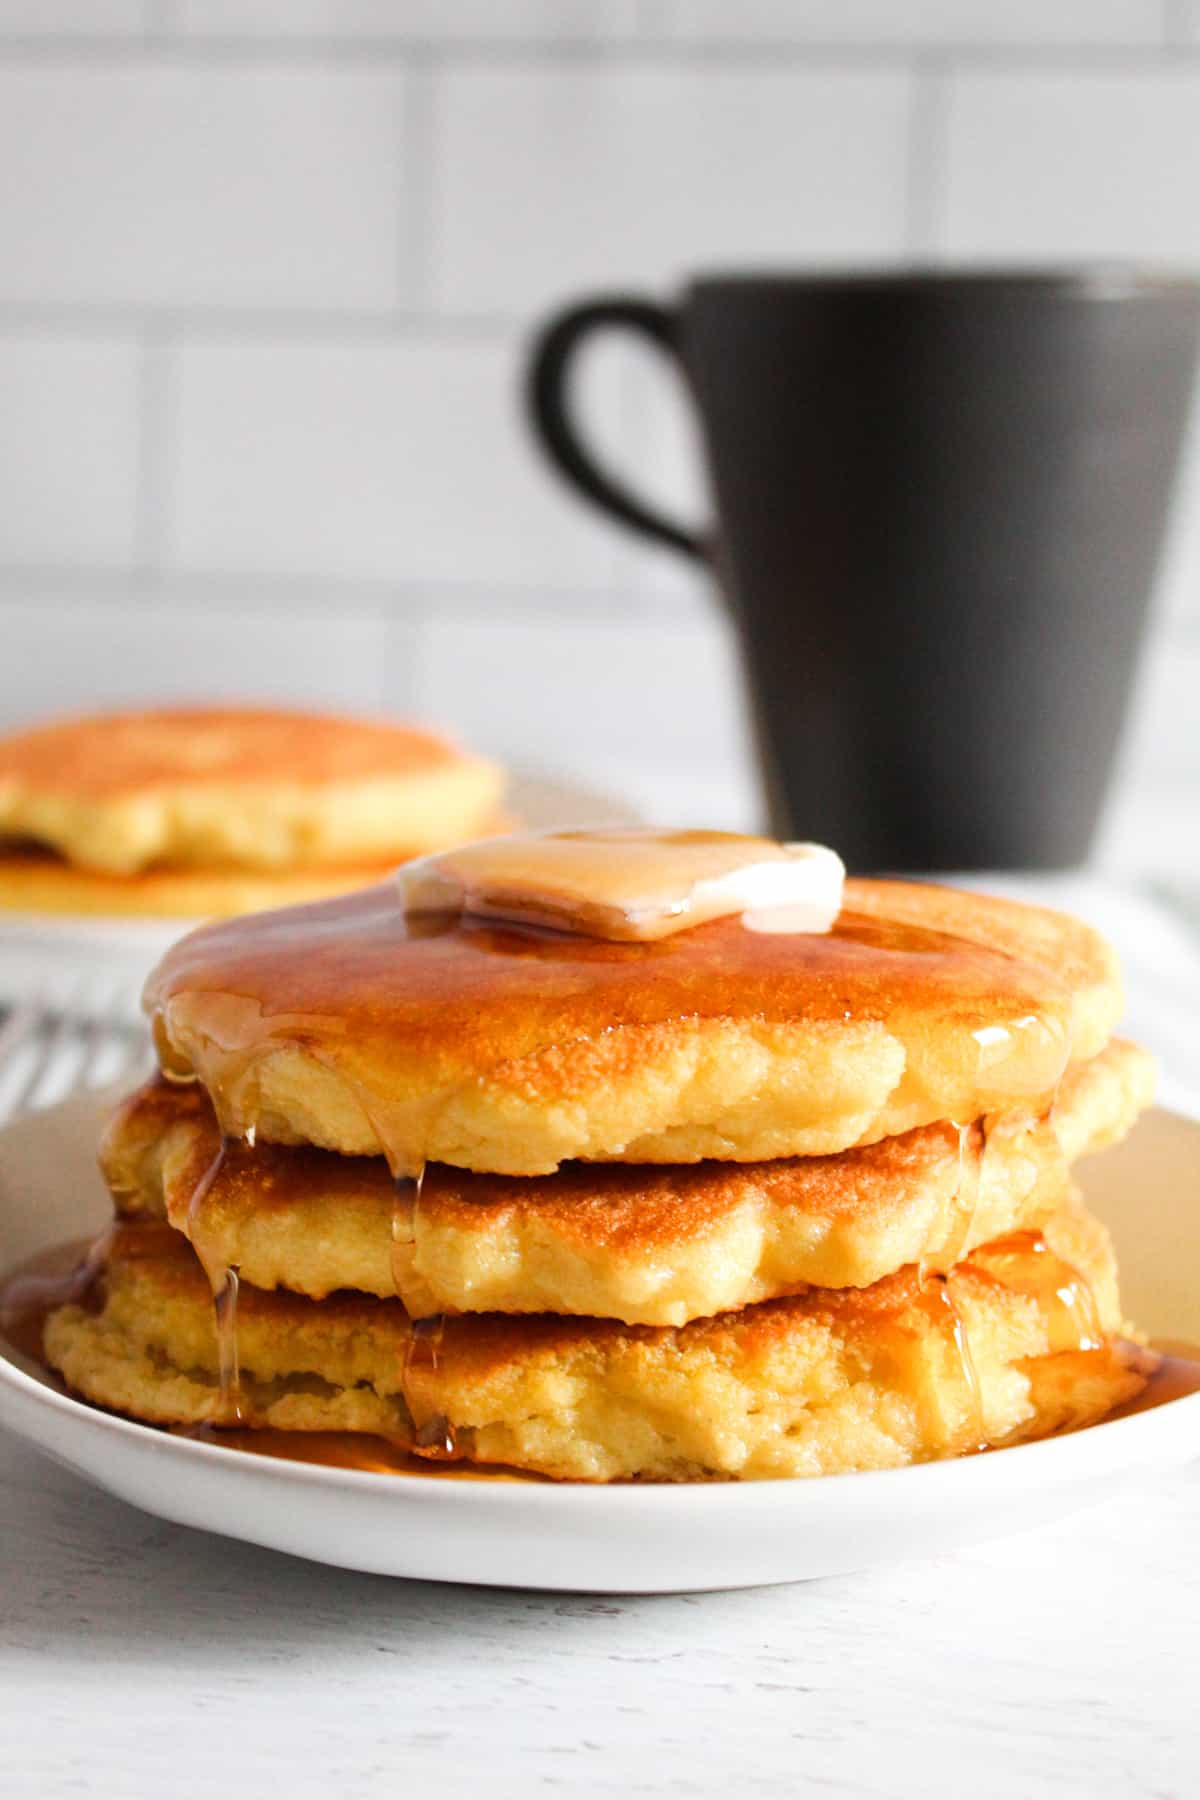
(201, 812)
(727, 1205)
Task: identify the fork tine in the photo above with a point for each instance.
(116, 1043)
(77, 1032)
(55, 1072)
(21, 1023)
(29, 1063)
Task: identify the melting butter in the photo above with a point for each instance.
(631, 884)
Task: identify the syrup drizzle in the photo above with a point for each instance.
(406, 1207)
(972, 1151)
(224, 1282)
(937, 1303)
(1026, 1264)
(433, 1434)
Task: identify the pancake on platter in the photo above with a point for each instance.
(360, 1028)
(237, 788)
(652, 1245)
(825, 1382)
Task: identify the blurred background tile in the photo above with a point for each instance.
(156, 184)
(69, 437)
(608, 176)
(445, 487)
(1075, 163)
(116, 654)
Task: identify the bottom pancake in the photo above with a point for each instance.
(1017, 1342)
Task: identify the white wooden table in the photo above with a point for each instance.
(139, 1659)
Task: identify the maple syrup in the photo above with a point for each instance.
(1025, 1264)
(406, 1206)
(223, 1281)
(349, 1450)
(936, 1301)
(71, 1274)
(434, 1435)
(65, 1275)
(964, 1207)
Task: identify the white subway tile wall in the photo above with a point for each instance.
(268, 269)
(69, 449)
(549, 181)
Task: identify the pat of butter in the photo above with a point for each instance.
(627, 884)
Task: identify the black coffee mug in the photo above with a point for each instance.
(941, 500)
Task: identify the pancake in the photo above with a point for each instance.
(238, 787)
(352, 1027)
(825, 1382)
(652, 1246)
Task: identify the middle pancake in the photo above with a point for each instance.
(652, 1245)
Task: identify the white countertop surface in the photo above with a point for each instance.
(142, 1659)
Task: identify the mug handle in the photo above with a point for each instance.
(547, 380)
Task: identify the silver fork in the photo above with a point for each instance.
(80, 1030)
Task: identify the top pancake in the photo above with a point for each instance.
(237, 787)
(348, 1026)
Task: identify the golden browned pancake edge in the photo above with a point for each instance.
(651, 1245)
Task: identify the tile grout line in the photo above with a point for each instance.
(162, 41)
(78, 317)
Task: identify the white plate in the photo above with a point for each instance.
(614, 1539)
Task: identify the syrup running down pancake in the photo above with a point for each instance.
(655, 1246)
(1017, 1341)
(354, 1027)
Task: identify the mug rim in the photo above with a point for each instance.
(1096, 281)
